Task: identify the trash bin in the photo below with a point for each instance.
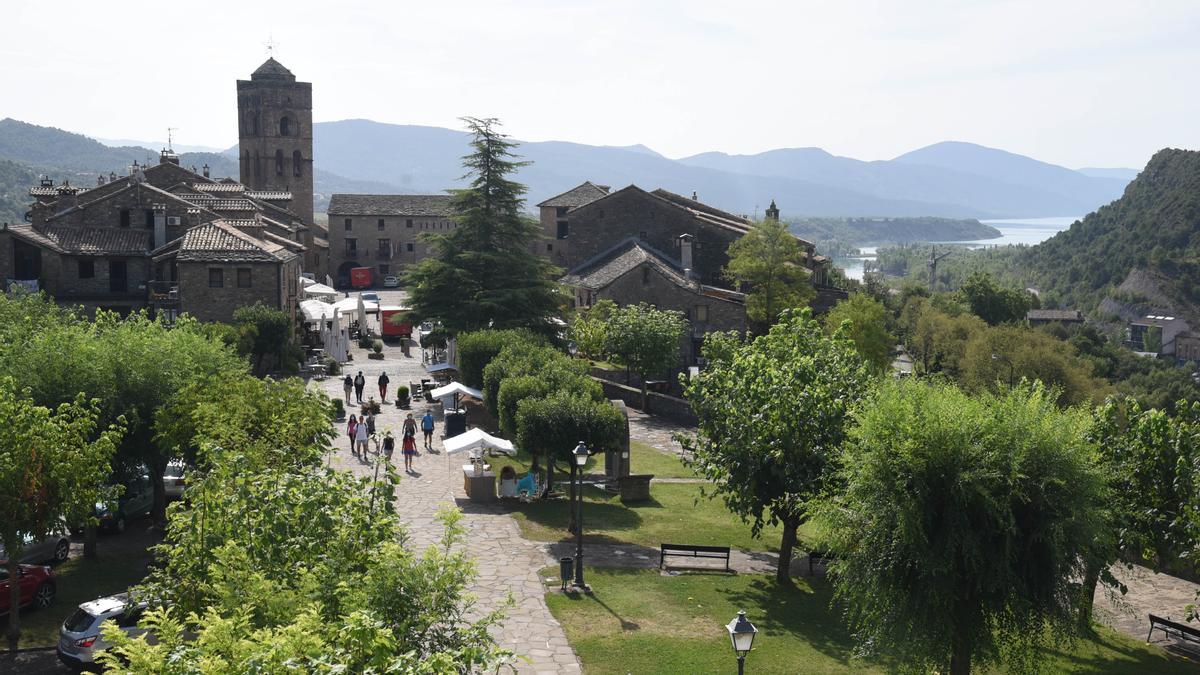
(566, 570)
(456, 423)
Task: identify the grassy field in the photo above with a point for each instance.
(643, 622)
(121, 562)
(643, 459)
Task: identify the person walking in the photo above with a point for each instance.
(348, 385)
(359, 383)
(427, 428)
(361, 434)
(410, 426)
(383, 385)
(371, 430)
(410, 451)
(389, 445)
(351, 428)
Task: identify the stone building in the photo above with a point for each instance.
(159, 236)
(552, 215)
(383, 232)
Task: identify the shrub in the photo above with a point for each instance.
(478, 348)
(402, 395)
(377, 346)
(339, 409)
(332, 367)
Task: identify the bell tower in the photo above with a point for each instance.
(772, 211)
(275, 135)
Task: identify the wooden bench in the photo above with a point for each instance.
(665, 550)
(1173, 629)
(823, 556)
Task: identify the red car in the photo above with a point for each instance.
(37, 587)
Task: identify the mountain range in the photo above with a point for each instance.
(950, 179)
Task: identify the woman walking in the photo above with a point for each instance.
(361, 434)
(351, 427)
(348, 386)
(389, 445)
(410, 450)
(410, 426)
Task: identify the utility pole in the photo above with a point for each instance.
(932, 265)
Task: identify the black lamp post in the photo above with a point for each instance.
(741, 634)
(1005, 359)
(580, 456)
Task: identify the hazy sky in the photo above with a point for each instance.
(1088, 83)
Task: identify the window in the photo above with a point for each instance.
(297, 164)
(642, 235)
(549, 247)
(385, 270)
(285, 126)
(216, 278)
(254, 124)
(701, 313)
(278, 162)
(408, 222)
(563, 229)
(149, 215)
(349, 224)
(379, 224)
(351, 246)
(560, 211)
(385, 248)
(408, 247)
(124, 217)
(174, 220)
(87, 269)
(243, 277)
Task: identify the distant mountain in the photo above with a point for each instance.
(1123, 174)
(15, 180)
(1153, 229)
(178, 147)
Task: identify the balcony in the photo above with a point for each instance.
(384, 254)
(350, 254)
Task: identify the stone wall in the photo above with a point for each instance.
(598, 226)
(401, 232)
(218, 304)
(262, 104)
(675, 409)
(139, 203)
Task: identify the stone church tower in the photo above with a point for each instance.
(275, 135)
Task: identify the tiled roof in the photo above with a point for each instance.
(75, 240)
(391, 205)
(616, 262)
(52, 191)
(219, 241)
(1054, 315)
(272, 195)
(219, 187)
(577, 196)
(705, 212)
(272, 70)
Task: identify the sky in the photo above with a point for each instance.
(1095, 83)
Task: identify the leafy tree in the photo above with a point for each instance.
(770, 262)
(476, 350)
(268, 336)
(994, 355)
(773, 417)
(482, 272)
(965, 525)
(645, 340)
(552, 426)
(589, 328)
(52, 464)
(994, 304)
(867, 327)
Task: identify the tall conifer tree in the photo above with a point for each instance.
(484, 272)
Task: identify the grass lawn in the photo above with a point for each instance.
(643, 622)
(643, 459)
(121, 563)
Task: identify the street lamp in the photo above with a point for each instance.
(741, 634)
(581, 457)
(1005, 359)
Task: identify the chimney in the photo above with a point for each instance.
(100, 179)
(66, 197)
(46, 181)
(206, 170)
(160, 225)
(112, 176)
(685, 254)
(694, 198)
(168, 156)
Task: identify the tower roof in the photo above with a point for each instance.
(272, 70)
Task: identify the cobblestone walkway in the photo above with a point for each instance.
(506, 562)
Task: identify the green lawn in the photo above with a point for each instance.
(643, 622)
(121, 563)
(643, 459)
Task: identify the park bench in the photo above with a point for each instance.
(823, 556)
(1173, 629)
(665, 550)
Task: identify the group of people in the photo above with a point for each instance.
(362, 430)
(358, 383)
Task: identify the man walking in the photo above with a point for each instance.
(359, 383)
(348, 385)
(383, 386)
(427, 427)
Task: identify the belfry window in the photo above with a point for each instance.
(285, 126)
(297, 164)
(278, 162)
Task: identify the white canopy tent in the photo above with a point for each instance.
(456, 388)
(315, 311)
(439, 367)
(475, 441)
(320, 291)
(305, 281)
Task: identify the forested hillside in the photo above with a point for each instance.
(15, 180)
(833, 234)
(1155, 226)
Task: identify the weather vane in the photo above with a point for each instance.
(170, 137)
(271, 45)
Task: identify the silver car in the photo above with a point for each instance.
(79, 638)
(56, 547)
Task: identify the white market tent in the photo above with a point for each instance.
(476, 440)
(350, 305)
(320, 291)
(315, 310)
(439, 367)
(305, 281)
(456, 388)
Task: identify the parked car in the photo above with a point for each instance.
(79, 638)
(391, 281)
(135, 502)
(37, 587)
(370, 296)
(56, 547)
(173, 480)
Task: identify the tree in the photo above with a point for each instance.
(476, 350)
(964, 525)
(589, 328)
(994, 304)
(52, 465)
(773, 416)
(770, 262)
(867, 327)
(268, 336)
(644, 339)
(552, 426)
(482, 272)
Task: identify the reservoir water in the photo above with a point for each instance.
(1012, 231)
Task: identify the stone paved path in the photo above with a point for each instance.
(506, 562)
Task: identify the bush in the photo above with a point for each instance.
(332, 367)
(377, 346)
(402, 395)
(478, 348)
(339, 409)
(364, 341)
(371, 406)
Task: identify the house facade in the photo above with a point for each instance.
(383, 232)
